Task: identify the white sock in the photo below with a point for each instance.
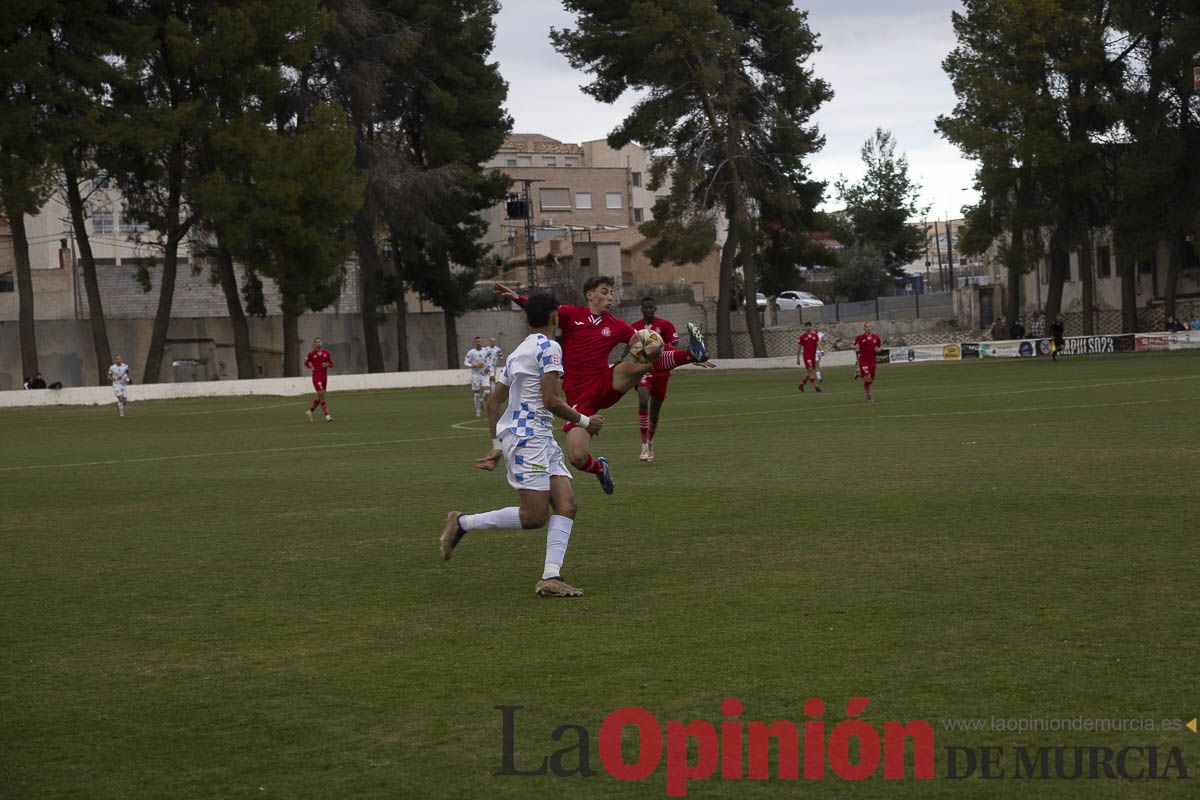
(502, 518)
(120, 408)
(478, 402)
(558, 533)
(818, 374)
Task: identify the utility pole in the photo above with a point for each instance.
(937, 243)
(950, 250)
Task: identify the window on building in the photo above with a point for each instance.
(614, 200)
(510, 162)
(551, 161)
(7, 283)
(583, 200)
(524, 161)
(636, 178)
(1103, 261)
(570, 161)
(639, 215)
(102, 223)
(555, 199)
(126, 225)
(585, 262)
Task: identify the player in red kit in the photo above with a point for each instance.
(319, 361)
(806, 354)
(589, 334)
(652, 388)
(866, 345)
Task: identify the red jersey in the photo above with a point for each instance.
(867, 344)
(663, 328)
(809, 342)
(587, 339)
(319, 361)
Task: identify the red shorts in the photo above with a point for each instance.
(867, 369)
(656, 382)
(594, 396)
(810, 363)
(319, 382)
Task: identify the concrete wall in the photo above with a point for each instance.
(66, 352)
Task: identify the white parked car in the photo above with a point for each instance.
(789, 301)
(761, 300)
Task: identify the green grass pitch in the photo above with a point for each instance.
(217, 599)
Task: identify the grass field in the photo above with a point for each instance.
(217, 599)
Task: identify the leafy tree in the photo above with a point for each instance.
(24, 176)
(81, 42)
(454, 121)
(861, 273)
(1036, 83)
(271, 40)
(879, 207)
(1158, 160)
(727, 100)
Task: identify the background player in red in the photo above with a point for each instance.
(319, 361)
(652, 388)
(589, 334)
(866, 345)
(806, 354)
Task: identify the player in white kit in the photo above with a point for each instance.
(521, 413)
(479, 362)
(495, 357)
(820, 349)
(118, 373)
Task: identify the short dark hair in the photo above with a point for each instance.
(807, 324)
(539, 308)
(651, 299)
(599, 280)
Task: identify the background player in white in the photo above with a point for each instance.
(530, 389)
(821, 335)
(479, 362)
(496, 357)
(118, 373)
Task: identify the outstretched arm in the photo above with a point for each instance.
(502, 290)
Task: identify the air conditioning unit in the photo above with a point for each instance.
(547, 222)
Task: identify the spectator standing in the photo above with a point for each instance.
(999, 329)
(1017, 331)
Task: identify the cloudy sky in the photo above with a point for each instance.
(882, 58)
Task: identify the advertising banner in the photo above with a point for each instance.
(1152, 341)
(1184, 340)
(1097, 345)
(970, 350)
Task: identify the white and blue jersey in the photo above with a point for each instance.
(526, 428)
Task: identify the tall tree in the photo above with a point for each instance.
(880, 206)
(1158, 160)
(82, 43)
(24, 176)
(1036, 83)
(289, 216)
(356, 66)
(267, 43)
(726, 96)
(454, 121)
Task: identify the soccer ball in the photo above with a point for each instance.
(645, 346)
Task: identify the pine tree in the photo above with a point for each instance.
(726, 99)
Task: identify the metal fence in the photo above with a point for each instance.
(939, 305)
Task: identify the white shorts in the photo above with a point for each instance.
(820, 354)
(533, 461)
(480, 379)
(119, 391)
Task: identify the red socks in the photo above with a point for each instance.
(867, 386)
(644, 424)
(593, 466)
(671, 358)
